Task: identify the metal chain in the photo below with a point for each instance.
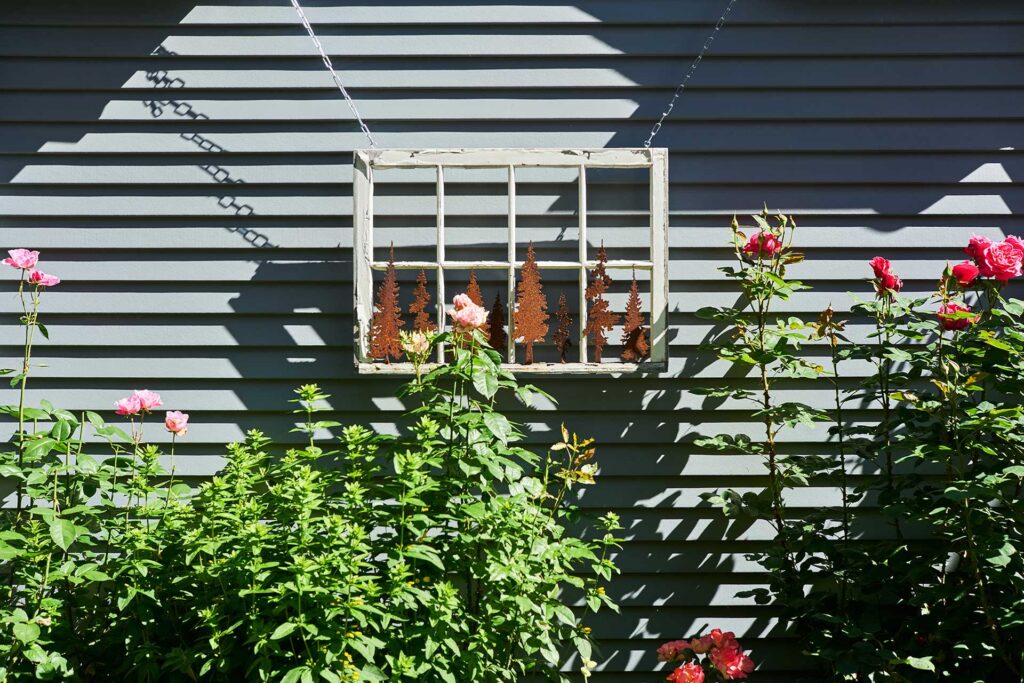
(334, 74)
(693, 67)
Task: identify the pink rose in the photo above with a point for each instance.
(671, 651)
(975, 248)
(966, 273)
(691, 672)
(467, 315)
(22, 258)
(38, 277)
(950, 320)
(1003, 260)
(726, 640)
(762, 244)
(731, 663)
(701, 645)
(147, 399)
(176, 422)
(129, 406)
(881, 266)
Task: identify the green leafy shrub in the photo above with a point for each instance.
(440, 554)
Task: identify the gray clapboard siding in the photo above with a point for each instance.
(887, 128)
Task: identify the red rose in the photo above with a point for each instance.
(880, 265)
(762, 244)
(966, 273)
(950, 319)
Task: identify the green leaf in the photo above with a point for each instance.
(921, 663)
(26, 632)
(62, 532)
(42, 328)
(61, 431)
(485, 380)
(295, 674)
(371, 673)
(37, 448)
(499, 426)
(283, 630)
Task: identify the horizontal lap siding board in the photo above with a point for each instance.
(222, 279)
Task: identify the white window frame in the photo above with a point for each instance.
(655, 159)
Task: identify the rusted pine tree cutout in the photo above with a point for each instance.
(387, 316)
(476, 296)
(473, 290)
(530, 316)
(634, 337)
(600, 319)
(497, 338)
(423, 322)
(563, 336)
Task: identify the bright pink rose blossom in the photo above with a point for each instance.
(726, 640)
(950, 321)
(731, 662)
(147, 399)
(671, 651)
(966, 273)
(691, 672)
(38, 277)
(176, 422)
(1001, 261)
(975, 248)
(129, 406)
(762, 244)
(467, 315)
(23, 259)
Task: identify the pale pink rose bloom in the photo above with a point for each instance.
(129, 406)
(22, 258)
(469, 318)
(416, 343)
(461, 301)
(38, 277)
(176, 422)
(148, 399)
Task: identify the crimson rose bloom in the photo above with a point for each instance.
(949, 322)
(880, 265)
(966, 273)
(762, 244)
(886, 280)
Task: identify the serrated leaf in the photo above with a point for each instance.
(26, 632)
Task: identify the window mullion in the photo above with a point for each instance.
(511, 350)
(582, 340)
(440, 259)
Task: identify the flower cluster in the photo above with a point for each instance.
(723, 658)
(997, 261)
(25, 259)
(143, 401)
(466, 315)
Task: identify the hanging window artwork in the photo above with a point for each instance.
(566, 249)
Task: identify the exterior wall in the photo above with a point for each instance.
(885, 127)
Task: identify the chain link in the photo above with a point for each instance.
(334, 74)
(693, 67)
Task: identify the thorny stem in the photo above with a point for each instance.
(841, 439)
(883, 327)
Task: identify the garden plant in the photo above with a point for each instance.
(445, 553)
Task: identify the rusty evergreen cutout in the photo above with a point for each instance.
(600, 319)
(529, 314)
(530, 317)
(387, 316)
